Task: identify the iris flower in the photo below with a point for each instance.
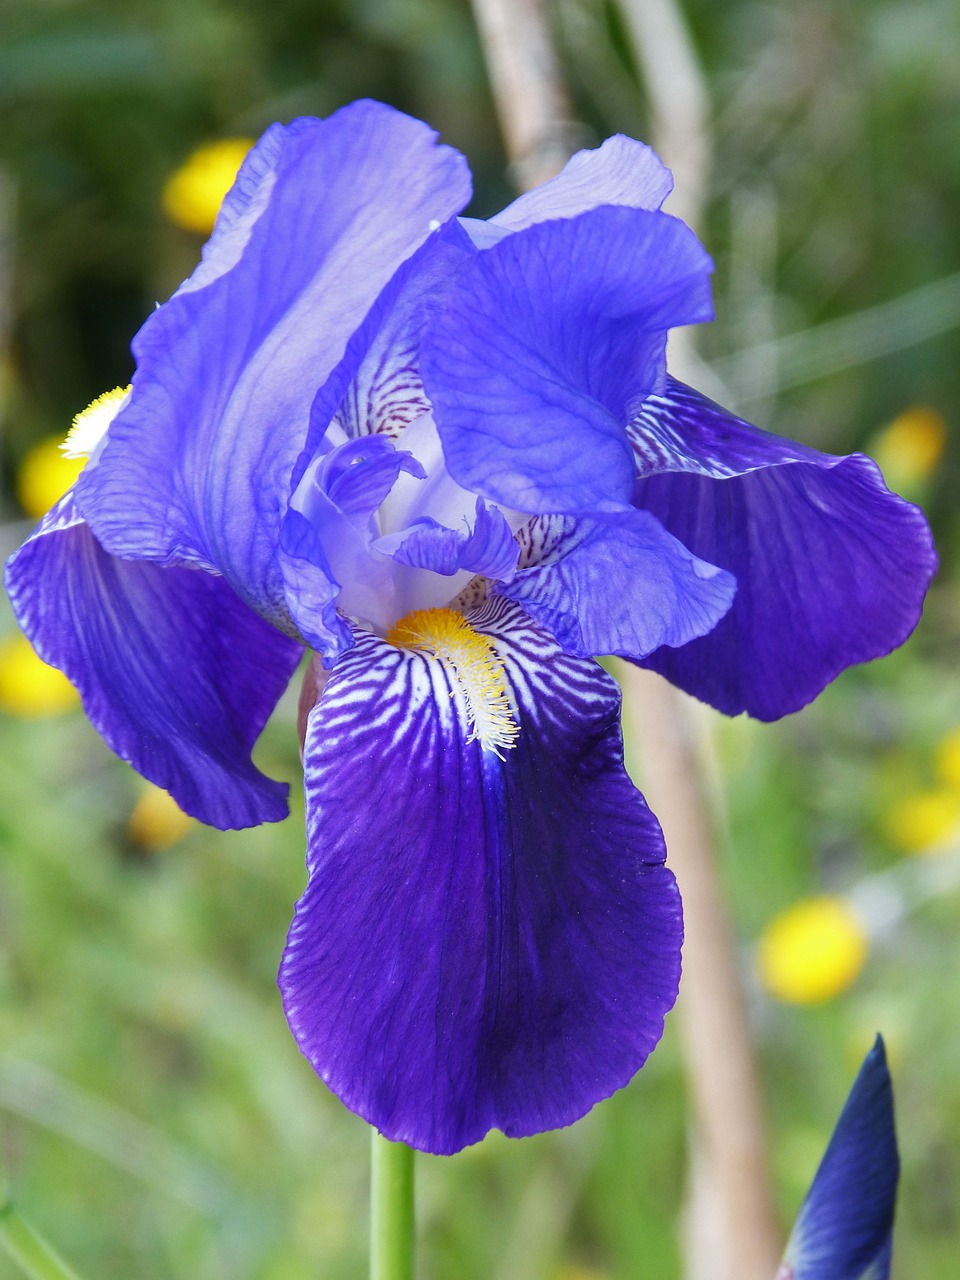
(445, 458)
(844, 1230)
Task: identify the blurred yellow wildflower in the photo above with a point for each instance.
(925, 821)
(28, 687)
(812, 951)
(157, 821)
(947, 760)
(909, 448)
(193, 194)
(45, 475)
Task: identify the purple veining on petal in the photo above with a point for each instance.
(680, 430)
(831, 567)
(347, 416)
(482, 942)
(544, 347)
(386, 393)
(199, 463)
(622, 585)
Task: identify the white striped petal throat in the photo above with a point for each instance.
(477, 671)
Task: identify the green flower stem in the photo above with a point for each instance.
(391, 1210)
(27, 1247)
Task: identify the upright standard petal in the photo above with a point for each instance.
(175, 672)
(621, 585)
(620, 171)
(546, 346)
(831, 567)
(484, 941)
(845, 1228)
(243, 204)
(386, 394)
(198, 465)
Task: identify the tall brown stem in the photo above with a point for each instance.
(528, 87)
(733, 1204)
(731, 1222)
(732, 1230)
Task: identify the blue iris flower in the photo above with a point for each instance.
(445, 457)
(845, 1228)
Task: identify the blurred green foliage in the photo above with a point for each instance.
(155, 1115)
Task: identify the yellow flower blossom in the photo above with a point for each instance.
(925, 821)
(45, 475)
(28, 687)
(812, 951)
(947, 760)
(909, 449)
(193, 194)
(157, 821)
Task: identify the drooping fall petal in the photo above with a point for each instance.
(484, 942)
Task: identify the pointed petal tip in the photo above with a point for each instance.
(844, 1228)
(544, 345)
(621, 171)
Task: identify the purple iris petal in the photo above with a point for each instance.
(488, 548)
(311, 586)
(879, 1269)
(176, 673)
(488, 937)
(198, 465)
(243, 204)
(386, 394)
(621, 585)
(620, 171)
(546, 345)
(678, 429)
(482, 942)
(845, 1228)
(831, 567)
